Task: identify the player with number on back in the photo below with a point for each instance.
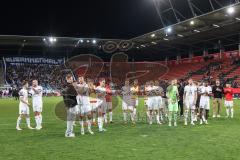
(23, 106)
(102, 104)
(84, 104)
(37, 103)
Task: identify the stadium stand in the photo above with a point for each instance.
(1, 73)
(182, 71)
(50, 76)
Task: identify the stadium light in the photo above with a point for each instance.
(52, 39)
(230, 10)
(192, 22)
(81, 40)
(88, 41)
(94, 41)
(153, 35)
(237, 19)
(169, 30)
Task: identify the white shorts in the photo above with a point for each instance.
(93, 106)
(37, 107)
(126, 106)
(102, 106)
(189, 103)
(109, 106)
(159, 101)
(84, 109)
(152, 103)
(74, 110)
(228, 103)
(23, 109)
(135, 102)
(205, 104)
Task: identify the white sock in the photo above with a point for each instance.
(134, 112)
(231, 110)
(124, 116)
(203, 118)
(28, 121)
(148, 114)
(89, 124)
(100, 123)
(186, 115)
(192, 116)
(69, 127)
(19, 121)
(161, 115)
(105, 118)
(40, 119)
(110, 116)
(37, 120)
(227, 111)
(132, 116)
(81, 123)
(157, 118)
(150, 118)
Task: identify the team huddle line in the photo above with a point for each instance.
(93, 104)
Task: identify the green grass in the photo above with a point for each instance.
(218, 140)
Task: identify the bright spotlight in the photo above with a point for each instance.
(192, 22)
(81, 40)
(169, 30)
(230, 10)
(94, 41)
(88, 41)
(153, 35)
(52, 39)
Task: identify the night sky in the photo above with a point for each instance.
(121, 19)
(82, 18)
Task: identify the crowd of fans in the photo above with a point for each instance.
(51, 77)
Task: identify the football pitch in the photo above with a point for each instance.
(219, 140)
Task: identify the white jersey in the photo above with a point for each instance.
(205, 99)
(82, 89)
(83, 94)
(23, 108)
(204, 90)
(101, 92)
(190, 91)
(126, 91)
(101, 100)
(37, 95)
(23, 94)
(127, 98)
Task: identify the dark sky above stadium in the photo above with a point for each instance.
(80, 18)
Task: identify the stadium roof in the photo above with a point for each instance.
(212, 30)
